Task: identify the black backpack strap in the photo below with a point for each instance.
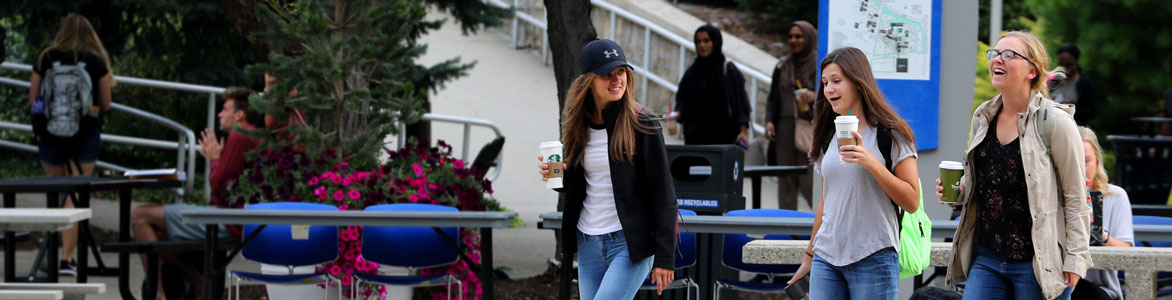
(883, 139)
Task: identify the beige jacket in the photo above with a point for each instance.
(1058, 205)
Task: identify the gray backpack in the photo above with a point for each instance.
(68, 95)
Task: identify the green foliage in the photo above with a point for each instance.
(352, 65)
(1125, 52)
(1015, 15)
(782, 13)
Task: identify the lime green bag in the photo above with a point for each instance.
(915, 229)
(915, 241)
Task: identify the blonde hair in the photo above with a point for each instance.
(1100, 182)
(1036, 52)
(78, 36)
(579, 110)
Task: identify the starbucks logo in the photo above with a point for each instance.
(554, 158)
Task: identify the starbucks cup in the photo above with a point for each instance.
(843, 128)
(551, 154)
(803, 107)
(950, 172)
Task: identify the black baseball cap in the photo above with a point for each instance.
(601, 56)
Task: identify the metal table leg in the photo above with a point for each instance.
(9, 243)
(486, 272)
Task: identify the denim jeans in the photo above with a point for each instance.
(873, 277)
(994, 276)
(605, 270)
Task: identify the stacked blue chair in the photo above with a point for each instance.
(685, 257)
(734, 244)
(1163, 279)
(277, 245)
(412, 248)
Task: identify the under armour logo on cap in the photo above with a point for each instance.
(601, 57)
(614, 52)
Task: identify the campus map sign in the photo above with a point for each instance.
(895, 34)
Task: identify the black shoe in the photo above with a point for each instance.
(67, 268)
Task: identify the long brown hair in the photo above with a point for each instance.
(78, 36)
(876, 111)
(580, 109)
(1038, 58)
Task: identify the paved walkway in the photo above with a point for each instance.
(512, 88)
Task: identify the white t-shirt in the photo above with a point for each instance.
(858, 218)
(599, 215)
(1117, 223)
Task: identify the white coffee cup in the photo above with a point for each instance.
(843, 128)
(551, 154)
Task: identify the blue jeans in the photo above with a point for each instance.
(873, 277)
(994, 276)
(605, 269)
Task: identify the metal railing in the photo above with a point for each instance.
(755, 80)
(467, 123)
(185, 142)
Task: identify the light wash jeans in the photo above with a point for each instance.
(873, 277)
(605, 269)
(994, 276)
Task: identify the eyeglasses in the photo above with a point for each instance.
(1006, 55)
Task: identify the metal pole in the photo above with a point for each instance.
(545, 38)
(467, 136)
(207, 166)
(646, 62)
(994, 22)
(612, 26)
(515, 19)
(752, 99)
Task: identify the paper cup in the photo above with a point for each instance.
(950, 172)
(843, 128)
(551, 154)
(803, 107)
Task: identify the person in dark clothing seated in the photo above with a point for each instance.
(155, 222)
(712, 103)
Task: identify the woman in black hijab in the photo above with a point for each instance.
(712, 102)
(789, 115)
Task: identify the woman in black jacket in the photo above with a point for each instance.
(620, 212)
(712, 103)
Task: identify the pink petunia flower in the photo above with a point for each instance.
(459, 164)
(355, 194)
(347, 181)
(336, 179)
(418, 170)
(313, 181)
(344, 207)
(339, 196)
(413, 198)
(335, 270)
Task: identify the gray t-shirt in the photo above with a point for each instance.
(858, 218)
(1117, 224)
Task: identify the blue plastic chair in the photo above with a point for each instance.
(685, 257)
(412, 248)
(1162, 278)
(277, 245)
(734, 244)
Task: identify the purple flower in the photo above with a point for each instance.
(339, 196)
(355, 194)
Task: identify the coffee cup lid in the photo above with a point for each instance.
(551, 144)
(952, 165)
(846, 119)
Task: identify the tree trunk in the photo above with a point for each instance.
(570, 28)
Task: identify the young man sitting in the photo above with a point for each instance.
(163, 222)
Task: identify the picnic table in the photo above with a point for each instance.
(82, 186)
(214, 266)
(50, 220)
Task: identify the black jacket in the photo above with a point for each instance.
(645, 198)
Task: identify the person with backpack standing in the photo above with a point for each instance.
(1024, 222)
(853, 251)
(789, 121)
(620, 214)
(69, 88)
(711, 101)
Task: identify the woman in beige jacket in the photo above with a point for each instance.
(1023, 229)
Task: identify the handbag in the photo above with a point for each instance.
(803, 131)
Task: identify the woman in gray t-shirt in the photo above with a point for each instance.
(853, 246)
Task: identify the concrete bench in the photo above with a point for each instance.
(69, 290)
(30, 295)
(1139, 263)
